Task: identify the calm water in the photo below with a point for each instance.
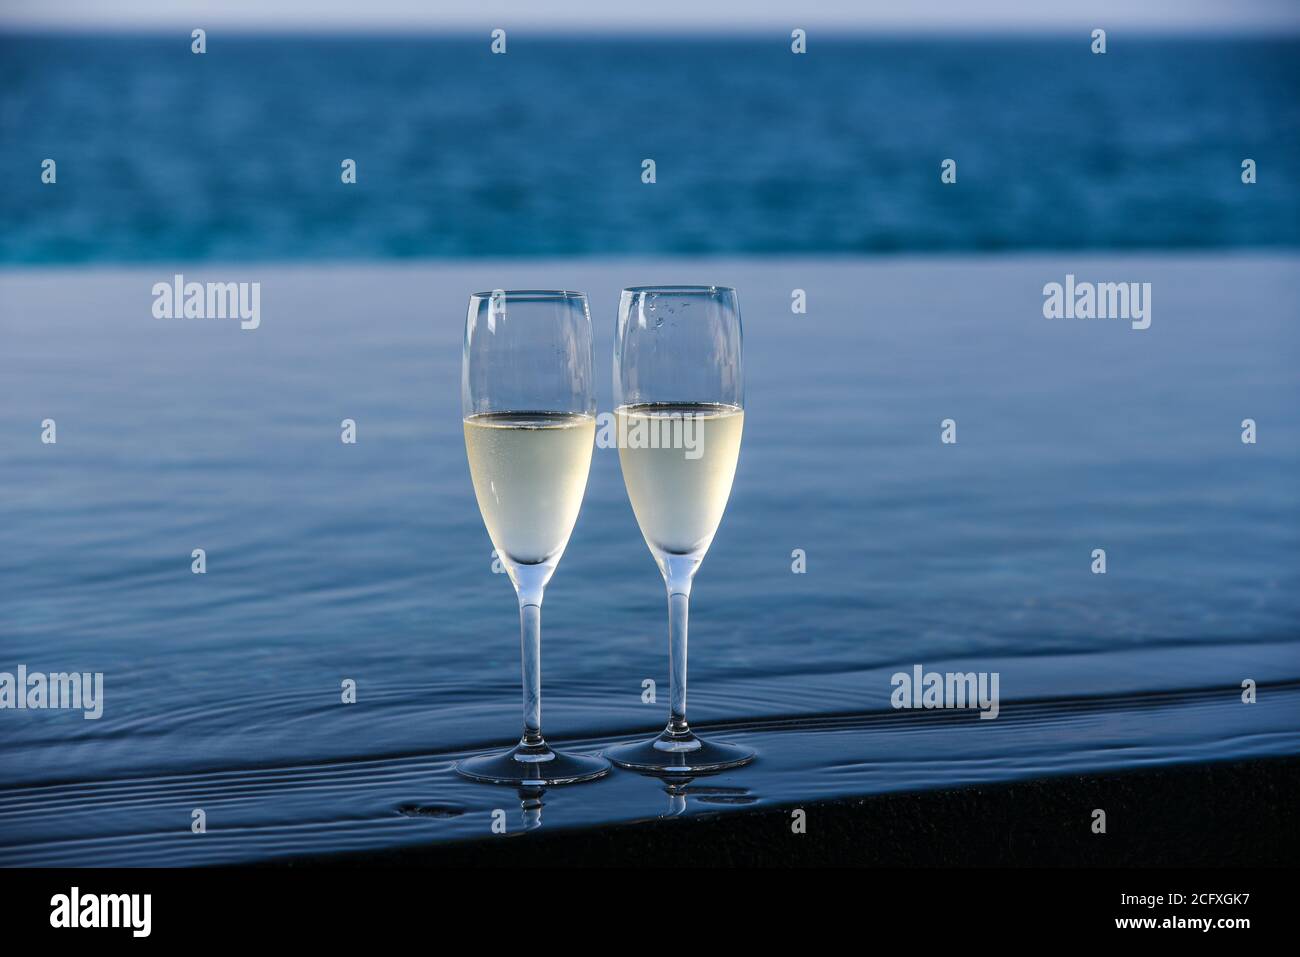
(370, 562)
(235, 154)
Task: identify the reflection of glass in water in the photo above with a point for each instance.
(676, 791)
(530, 807)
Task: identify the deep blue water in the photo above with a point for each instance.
(235, 154)
(370, 562)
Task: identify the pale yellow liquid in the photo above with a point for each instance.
(678, 500)
(530, 472)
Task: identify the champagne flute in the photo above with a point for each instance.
(679, 408)
(528, 402)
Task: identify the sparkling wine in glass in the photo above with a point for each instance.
(529, 408)
(679, 409)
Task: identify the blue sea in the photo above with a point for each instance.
(369, 563)
(235, 154)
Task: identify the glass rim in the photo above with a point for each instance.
(685, 289)
(531, 295)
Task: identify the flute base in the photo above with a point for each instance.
(534, 765)
(680, 753)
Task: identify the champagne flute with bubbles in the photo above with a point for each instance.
(529, 408)
(679, 410)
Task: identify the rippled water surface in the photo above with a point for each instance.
(328, 562)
